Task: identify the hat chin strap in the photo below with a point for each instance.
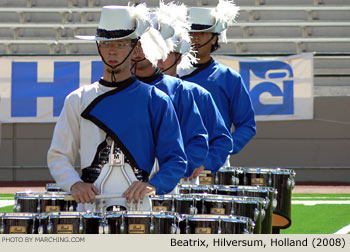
(113, 77)
(175, 62)
(133, 67)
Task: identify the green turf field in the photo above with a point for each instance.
(310, 213)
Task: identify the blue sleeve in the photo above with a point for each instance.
(169, 144)
(241, 115)
(220, 142)
(193, 131)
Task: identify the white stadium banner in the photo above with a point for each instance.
(33, 89)
(280, 88)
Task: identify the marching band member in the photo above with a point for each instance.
(118, 124)
(225, 85)
(220, 142)
(194, 134)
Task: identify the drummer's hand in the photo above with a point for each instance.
(196, 172)
(138, 190)
(84, 192)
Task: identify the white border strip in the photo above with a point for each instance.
(344, 230)
(4, 203)
(318, 202)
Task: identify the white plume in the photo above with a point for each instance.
(226, 12)
(188, 59)
(141, 13)
(154, 47)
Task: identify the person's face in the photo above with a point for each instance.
(115, 51)
(138, 57)
(200, 38)
(165, 64)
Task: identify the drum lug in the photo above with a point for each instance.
(17, 208)
(33, 227)
(151, 226)
(187, 226)
(174, 229)
(234, 180)
(274, 204)
(172, 204)
(270, 179)
(38, 209)
(193, 210)
(245, 179)
(49, 226)
(233, 207)
(267, 200)
(263, 213)
(256, 214)
(216, 180)
(252, 223)
(41, 229)
(290, 183)
(71, 208)
(81, 225)
(219, 228)
(106, 228)
(122, 226)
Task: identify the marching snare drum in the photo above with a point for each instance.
(70, 223)
(18, 223)
(215, 224)
(280, 179)
(188, 188)
(38, 202)
(142, 222)
(180, 203)
(224, 176)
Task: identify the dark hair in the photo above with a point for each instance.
(216, 45)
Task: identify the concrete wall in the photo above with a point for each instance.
(318, 149)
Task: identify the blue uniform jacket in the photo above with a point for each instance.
(220, 142)
(193, 131)
(231, 97)
(142, 121)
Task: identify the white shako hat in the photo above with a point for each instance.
(174, 27)
(121, 22)
(214, 20)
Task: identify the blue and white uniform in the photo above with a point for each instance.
(230, 96)
(138, 117)
(220, 142)
(193, 131)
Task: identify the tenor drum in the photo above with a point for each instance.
(38, 202)
(215, 224)
(280, 179)
(70, 223)
(269, 194)
(142, 222)
(18, 223)
(233, 205)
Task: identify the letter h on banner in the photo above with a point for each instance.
(26, 89)
(271, 86)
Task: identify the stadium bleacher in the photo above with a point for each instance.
(263, 28)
